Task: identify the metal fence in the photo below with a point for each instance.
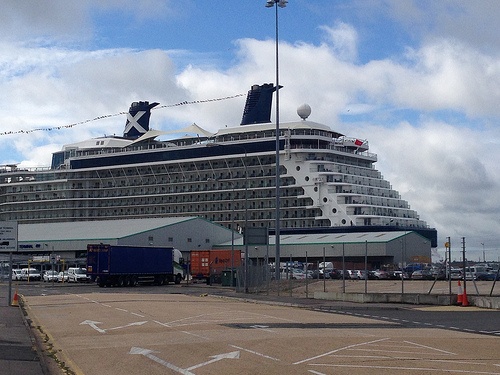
(261, 279)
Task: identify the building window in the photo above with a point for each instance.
(170, 239)
(189, 240)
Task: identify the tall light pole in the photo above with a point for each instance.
(276, 4)
(484, 256)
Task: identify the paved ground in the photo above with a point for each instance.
(18, 352)
(18, 347)
(116, 333)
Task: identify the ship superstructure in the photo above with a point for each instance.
(328, 180)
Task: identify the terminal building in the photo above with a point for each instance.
(67, 242)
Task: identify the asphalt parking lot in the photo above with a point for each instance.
(193, 331)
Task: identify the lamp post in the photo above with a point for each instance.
(276, 4)
(324, 273)
(402, 267)
(448, 248)
(343, 267)
(232, 236)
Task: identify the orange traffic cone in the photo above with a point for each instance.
(460, 294)
(465, 301)
(15, 300)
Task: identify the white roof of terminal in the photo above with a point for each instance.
(339, 238)
(102, 229)
(333, 238)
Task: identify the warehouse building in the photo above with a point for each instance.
(68, 240)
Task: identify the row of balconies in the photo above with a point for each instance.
(372, 201)
(181, 195)
(182, 181)
(365, 192)
(202, 204)
(344, 169)
(218, 216)
(381, 211)
(355, 180)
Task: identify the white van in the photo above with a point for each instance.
(30, 274)
(16, 274)
(77, 275)
(471, 272)
(324, 269)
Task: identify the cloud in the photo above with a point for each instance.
(344, 39)
(64, 21)
(474, 23)
(58, 19)
(443, 173)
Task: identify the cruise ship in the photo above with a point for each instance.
(328, 180)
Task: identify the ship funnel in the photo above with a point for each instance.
(258, 105)
(138, 119)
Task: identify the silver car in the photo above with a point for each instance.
(50, 276)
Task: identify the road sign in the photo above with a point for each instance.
(8, 236)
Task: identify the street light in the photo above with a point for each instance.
(280, 4)
(343, 267)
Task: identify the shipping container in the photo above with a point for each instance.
(208, 264)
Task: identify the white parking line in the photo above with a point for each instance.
(407, 368)
(338, 350)
(254, 352)
(430, 347)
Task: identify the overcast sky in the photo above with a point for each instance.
(419, 79)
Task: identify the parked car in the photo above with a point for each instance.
(298, 274)
(472, 272)
(456, 274)
(362, 274)
(77, 275)
(396, 275)
(324, 270)
(62, 277)
(50, 275)
(30, 274)
(380, 275)
(411, 267)
(438, 273)
(336, 274)
(421, 275)
(353, 274)
(16, 274)
(345, 272)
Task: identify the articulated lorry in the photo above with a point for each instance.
(209, 264)
(118, 265)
